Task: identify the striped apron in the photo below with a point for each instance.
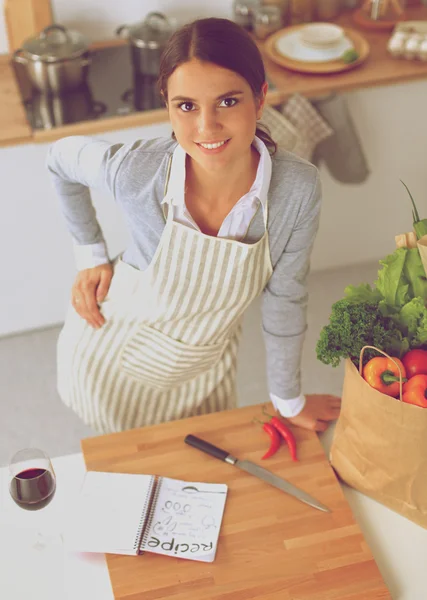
(168, 348)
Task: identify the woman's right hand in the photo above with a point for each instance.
(90, 287)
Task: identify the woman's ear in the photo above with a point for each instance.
(163, 98)
(261, 100)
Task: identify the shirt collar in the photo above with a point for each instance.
(176, 186)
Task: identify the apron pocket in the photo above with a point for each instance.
(162, 362)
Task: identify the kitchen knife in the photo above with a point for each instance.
(255, 470)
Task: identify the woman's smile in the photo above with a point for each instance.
(213, 147)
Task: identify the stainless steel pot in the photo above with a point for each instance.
(147, 41)
(50, 111)
(56, 61)
(144, 94)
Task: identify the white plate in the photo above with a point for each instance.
(291, 46)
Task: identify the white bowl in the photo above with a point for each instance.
(290, 46)
(321, 35)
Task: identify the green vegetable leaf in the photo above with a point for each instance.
(391, 282)
(414, 273)
(411, 315)
(354, 325)
(362, 293)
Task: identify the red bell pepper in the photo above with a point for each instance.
(415, 391)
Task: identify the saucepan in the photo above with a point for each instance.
(56, 61)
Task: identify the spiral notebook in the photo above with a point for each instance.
(123, 513)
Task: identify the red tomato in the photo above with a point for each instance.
(415, 362)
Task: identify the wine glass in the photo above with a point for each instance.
(32, 479)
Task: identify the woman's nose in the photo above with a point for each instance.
(209, 122)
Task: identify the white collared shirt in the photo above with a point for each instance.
(234, 226)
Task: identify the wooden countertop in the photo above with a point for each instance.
(379, 69)
(271, 546)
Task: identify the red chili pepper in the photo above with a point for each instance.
(275, 439)
(286, 434)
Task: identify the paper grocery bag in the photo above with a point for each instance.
(380, 447)
(422, 248)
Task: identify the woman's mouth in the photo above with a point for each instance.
(213, 147)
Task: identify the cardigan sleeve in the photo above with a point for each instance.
(284, 302)
(75, 164)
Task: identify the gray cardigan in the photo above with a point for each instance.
(135, 175)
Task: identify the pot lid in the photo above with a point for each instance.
(151, 33)
(55, 43)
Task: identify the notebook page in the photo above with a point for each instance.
(186, 519)
(108, 512)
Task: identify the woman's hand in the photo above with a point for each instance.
(318, 411)
(90, 287)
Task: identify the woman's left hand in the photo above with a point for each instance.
(318, 412)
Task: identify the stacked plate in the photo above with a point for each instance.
(317, 42)
(317, 47)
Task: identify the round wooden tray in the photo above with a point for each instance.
(333, 66)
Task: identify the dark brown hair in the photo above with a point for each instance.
(223, 43)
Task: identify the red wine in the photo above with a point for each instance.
(33, 488)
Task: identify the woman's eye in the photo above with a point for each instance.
(229, 102)
(186, 106)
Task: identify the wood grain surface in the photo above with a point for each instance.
(25, 19)
(13, 122)
(271, 546)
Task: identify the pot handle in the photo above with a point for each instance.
(98, 108)
(16, 56)
(157, 21)
(54, 27)
(122, 28)
(127, 96)
(85, 62)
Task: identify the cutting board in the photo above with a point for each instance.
(271, 546)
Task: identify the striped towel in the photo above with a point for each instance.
(296, 126)
(311, 126)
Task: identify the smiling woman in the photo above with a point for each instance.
(217, 43)
(217, 215)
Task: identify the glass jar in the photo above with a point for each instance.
(243, 12)
(267, 20)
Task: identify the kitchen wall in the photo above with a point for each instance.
(358, 222)
(98, 19)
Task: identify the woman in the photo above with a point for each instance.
(214, 221)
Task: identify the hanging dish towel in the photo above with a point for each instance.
(283, 132)
(342, 152)
(310, 125)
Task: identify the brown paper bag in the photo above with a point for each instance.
(422, 248)
(380, 447)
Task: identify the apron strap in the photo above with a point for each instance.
(165, 210)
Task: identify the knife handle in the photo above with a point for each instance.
(196, 442)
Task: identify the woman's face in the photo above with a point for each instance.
(213, 113)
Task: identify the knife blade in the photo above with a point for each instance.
(256, 470)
